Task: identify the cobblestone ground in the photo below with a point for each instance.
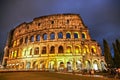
(48, 76)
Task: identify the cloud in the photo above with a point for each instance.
(101, 16)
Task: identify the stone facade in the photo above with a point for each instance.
(53, 42)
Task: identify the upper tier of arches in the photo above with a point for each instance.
(65, 21)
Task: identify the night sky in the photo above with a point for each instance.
(102, 17)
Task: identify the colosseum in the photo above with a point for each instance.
(53, 42)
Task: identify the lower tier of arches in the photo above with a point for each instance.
(59, 63)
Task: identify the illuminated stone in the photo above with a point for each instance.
(54, 42)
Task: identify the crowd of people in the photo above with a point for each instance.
(116, 72)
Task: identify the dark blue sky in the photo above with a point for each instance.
(101, 16)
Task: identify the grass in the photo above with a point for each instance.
(45, 76)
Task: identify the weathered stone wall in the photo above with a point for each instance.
(74, 45)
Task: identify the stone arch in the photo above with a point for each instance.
(52, 36)
(44, 50)
(32, 38)
(44, 36)
(28, 65)
(95, 65)
(38, 37)
(61, 66)
(79, 64)
(60, 49)
(35, 65)
(77, 49)
(93, 49)
(42, 65)
(83, 35)
(52, 50)
(26, 39)
(68, 35)
(68, 49)
(69, 65)
(88, 65)
(85, 49)
(36, 51)
(21, 41)
(60, 35)
(51, 64)
(76, 36)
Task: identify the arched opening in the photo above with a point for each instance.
(21, 41)
(45, 36)
(93, 50)
(95, 65)
(52, 36)
(68, 35)
(44, 50)
(83, 36)
(60, 35)
(35, 65)
(38, 37)
(31, 51)
(79, 65)
(75, 35)
(28, 65)
(51, 65)
(52, 50)
(69, 66)
(68, 49)
(88, 65)
(26, 40)
(77, 50)
(85, 49)
(31, 38)
(42, 65)
(61, 66)
(36, 51)
(60, 49)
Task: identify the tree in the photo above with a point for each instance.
(116, 55)
(107, 54)
(118, 45)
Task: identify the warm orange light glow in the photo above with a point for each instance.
(63, 47)
(94, 49)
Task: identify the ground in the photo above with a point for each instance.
(46, 76)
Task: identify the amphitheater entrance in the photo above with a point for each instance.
(88, 65)
(42, 65)
(35, 65)
(61, 66)
(95, 65)
(28, 65)
(51, 65)
(69, 66)
(79, 65)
